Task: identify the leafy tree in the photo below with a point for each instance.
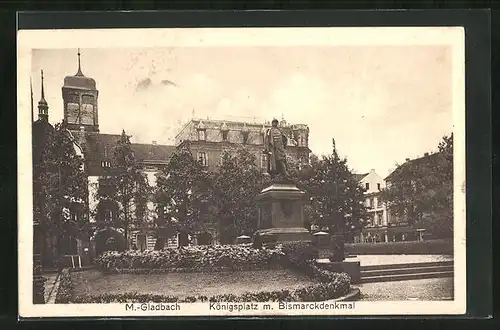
(236, 183)
(336, 198)
(127, 189)
(183, 195)
(59, 184)
(420, 192)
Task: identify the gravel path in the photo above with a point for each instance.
(426, 289)
(369, 260)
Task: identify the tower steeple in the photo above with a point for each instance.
(43, 107)
(80, 101)
(79, 73)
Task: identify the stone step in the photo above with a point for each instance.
(407, 265)
(404, 277)
(407, 270)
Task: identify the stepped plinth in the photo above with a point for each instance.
(281, 214)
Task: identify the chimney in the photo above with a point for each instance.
(426, 154)
(154, 143)
(407, 159)
(372, 170)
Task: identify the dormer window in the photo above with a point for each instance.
(202, 135)
(245, 132)
(245, 136)
(224, 130)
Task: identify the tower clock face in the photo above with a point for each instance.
(73, 113)
(87, 114)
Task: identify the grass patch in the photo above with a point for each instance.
(94, 282)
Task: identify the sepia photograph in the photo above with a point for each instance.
(241, 172)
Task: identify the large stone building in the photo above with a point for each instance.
(206, 138)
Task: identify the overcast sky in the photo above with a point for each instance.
(382, 104)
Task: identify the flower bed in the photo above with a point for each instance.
(191, 258)
(299, 256)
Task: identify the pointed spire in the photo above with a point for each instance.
(43, 107)
(43, 92)
(79, 73)
(32, 102)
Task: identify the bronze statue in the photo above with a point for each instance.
(275, 142)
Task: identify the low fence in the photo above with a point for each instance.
(438, 246)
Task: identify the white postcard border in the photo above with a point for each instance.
(210, 37)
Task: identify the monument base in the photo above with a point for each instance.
(276, 235)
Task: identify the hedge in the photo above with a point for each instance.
(191, 258)
(297, 255)
(440, 246)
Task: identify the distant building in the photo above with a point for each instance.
(382, 227)
(208, 139)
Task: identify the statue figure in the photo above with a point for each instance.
(275, 142)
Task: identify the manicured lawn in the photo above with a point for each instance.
(93, 282)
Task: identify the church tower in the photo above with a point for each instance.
(80, 101)
(43, 107)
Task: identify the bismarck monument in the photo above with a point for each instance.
(281, 205)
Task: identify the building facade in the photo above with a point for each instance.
(383, 227)
(206, 138)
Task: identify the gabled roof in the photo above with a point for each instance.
(360, 177)
(100, 147)
(413, 163)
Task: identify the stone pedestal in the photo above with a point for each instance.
(322, 242)
(281, 215)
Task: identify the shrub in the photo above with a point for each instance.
(192, 258)
(316, 292)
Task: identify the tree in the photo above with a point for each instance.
(183, 195)
(236, 183)
(336, 198)
(127, 189)
(420, 192)
(59, 187)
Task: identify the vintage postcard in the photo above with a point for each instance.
(241, 172)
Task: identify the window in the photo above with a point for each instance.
(105, 164)
(368, 203)
(367, 185)
(224, 135)
(108, 215)
(378, 186)
(302, 141)
(202, 158)
(87, 116)
(245, 137)
(73, 112)
(263, 161)
(202, 135)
